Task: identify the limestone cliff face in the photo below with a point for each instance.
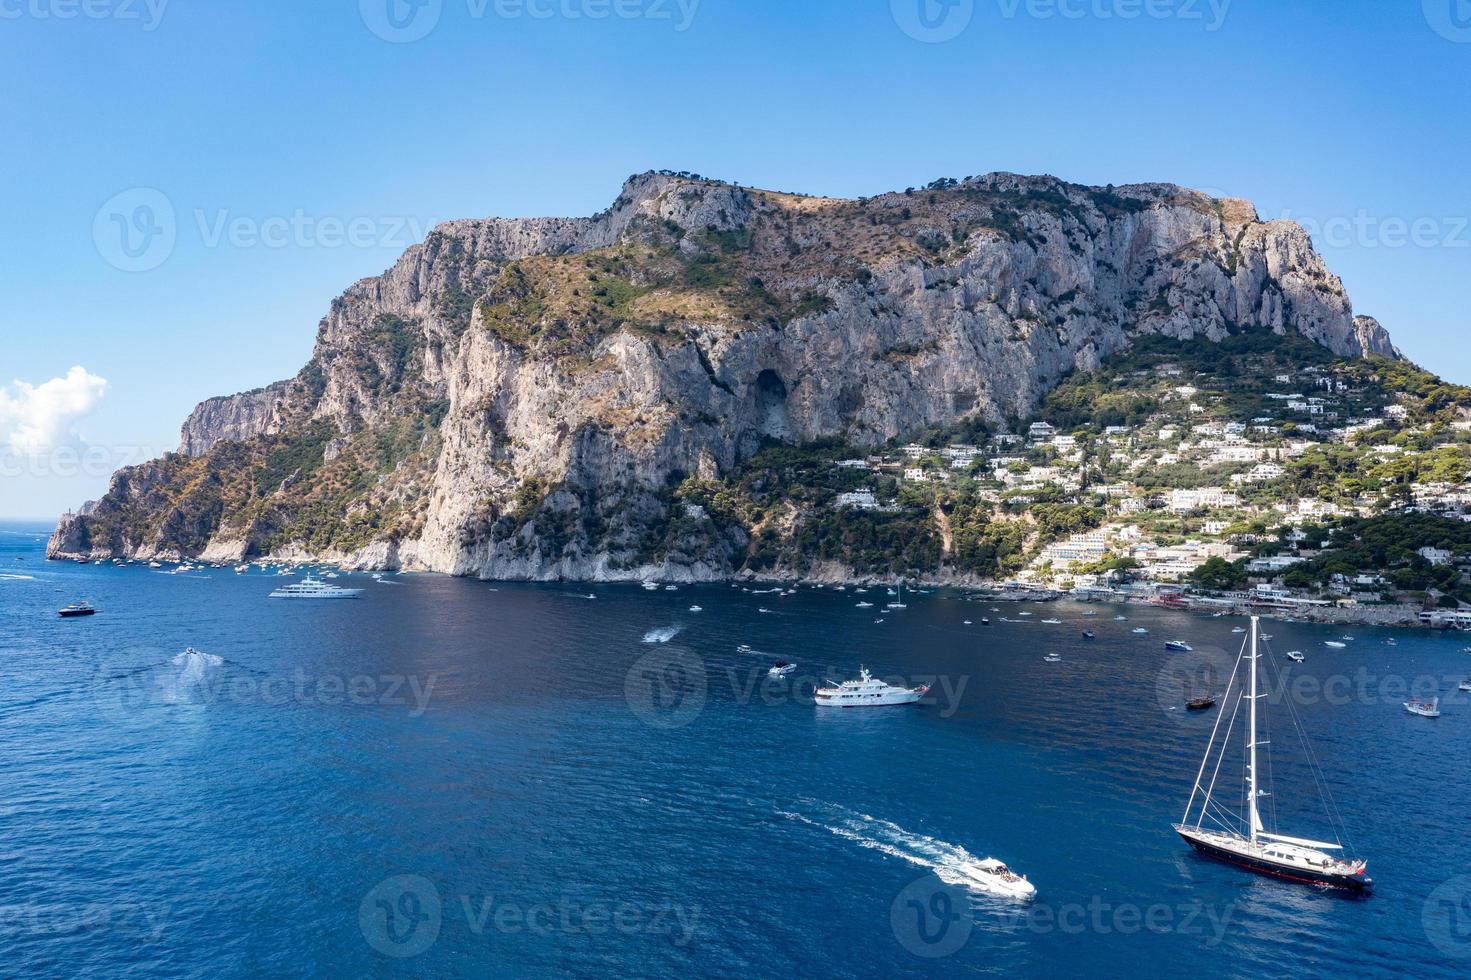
(516, 398)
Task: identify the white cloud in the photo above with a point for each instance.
(35, 418)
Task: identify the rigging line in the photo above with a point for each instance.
(1226, 740)
(1267, 722)
(1320, 779)
(1211, 744)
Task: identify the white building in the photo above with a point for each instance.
(862, 499)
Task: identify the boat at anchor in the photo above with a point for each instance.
(866, 693)
(1239, 836)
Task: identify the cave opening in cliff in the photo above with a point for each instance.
(771, 405)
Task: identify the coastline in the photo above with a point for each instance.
(828, 575)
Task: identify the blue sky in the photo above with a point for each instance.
(299, 150)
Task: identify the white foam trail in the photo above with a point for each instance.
(941, 857)
(663, 634)
(6, 576)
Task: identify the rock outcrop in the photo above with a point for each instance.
(519, 398)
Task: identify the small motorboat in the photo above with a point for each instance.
(1140, 630)
(968, 623)
(697, 608)
(1295, 656)
(1051, 622)
(76, 609)
(1201, 703)
(1335, 644)
(781, 669)
(1425, 709)
(996, 878)
(1091, 612)
(1466, 686)
(1052, 658)
(1121, 619)
(1089, 635)
(865, 605)
(1180, 646)
(985, 621)
(1239, 629)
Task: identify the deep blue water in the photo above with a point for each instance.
(506, 780)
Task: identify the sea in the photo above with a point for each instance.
(454, 778)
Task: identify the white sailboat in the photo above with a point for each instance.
(1241, 838)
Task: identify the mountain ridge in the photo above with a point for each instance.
(514, 397)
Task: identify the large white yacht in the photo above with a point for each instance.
(866, 693)
(314, 588)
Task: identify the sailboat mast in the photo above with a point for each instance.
(1251, 791)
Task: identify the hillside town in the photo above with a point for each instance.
(1195, 505)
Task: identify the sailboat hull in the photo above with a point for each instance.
(1349, 882)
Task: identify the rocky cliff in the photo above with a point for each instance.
(524, 398)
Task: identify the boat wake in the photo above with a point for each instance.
(946, 860)
(663, 634)
(7, 577)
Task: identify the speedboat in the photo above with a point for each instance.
(1295, 656)
(1466, 685)
(76, 609)
(1140, 630)
(314, 588)
(697, 608)
(781, 669)
(1052, 622)
(1089, 635)
(1052, 658)
(1425, 709)
(1239, 629)
(1178, 645)
(866, 693)
(996, 878)
(865, 605)
(1334, 644)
